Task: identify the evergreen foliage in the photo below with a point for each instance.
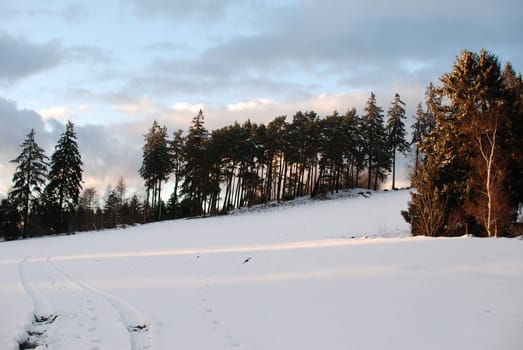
(375, 146)
(177, 153)
(396, 132)
(156, 166)
(9, 220)
(196, 172)
(65, 176)
(471, 159)
(468, 170)
(29, 178)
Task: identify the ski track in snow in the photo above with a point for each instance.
(70, 314)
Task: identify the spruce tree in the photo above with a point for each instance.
(396, 132)
(469, 151)
(65, 175)
(374, 142)
(512, 84)
(29, 177)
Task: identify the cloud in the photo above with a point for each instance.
(251, 105)
(61, 113)
(308, 48)
(366, 40)
(17, 123)
(107, 154)
(21, 58)
(187, 107)
(74, 12)
(7, 13)
(114, 149)
(140, 107)
(180, 9)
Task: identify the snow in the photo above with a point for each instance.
(333, 274)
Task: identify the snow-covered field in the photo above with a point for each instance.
(336, 274)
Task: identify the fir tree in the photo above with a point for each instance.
(374, 142)
(396, 132)
(468, 152)
(65, 175)
(29, 177)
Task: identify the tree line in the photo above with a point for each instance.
(242, 165)
(467, 140)
(212, 172)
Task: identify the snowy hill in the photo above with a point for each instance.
(334, 274)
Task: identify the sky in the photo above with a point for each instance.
(114, 66)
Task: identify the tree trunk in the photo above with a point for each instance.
(370, 175)
(159, 199)
(394, 168)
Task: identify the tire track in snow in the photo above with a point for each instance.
(37, 331)
(69, 314)
(135, 322)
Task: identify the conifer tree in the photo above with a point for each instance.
(65, 175)
(29, 178)
(196, 172)
(111, 205)
(156, 165)
(87, 203)
(469, 150)
(513, 93)
(352, 146)
(9, 220)
(396, 132)
(417, 131)
(374, 142)
(176, 146)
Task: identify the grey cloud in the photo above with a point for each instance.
(7, 13)
(206, 86)
(341, 37)
(180, 9)
(106, 154)
(20, 122)
(357, 44)
(20, 58)
(74, 12)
